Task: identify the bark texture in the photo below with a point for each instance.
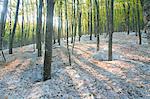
(146, 9)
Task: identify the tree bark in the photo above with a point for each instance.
(39, 27)
(128, 19)
(146, 10)
(111, 31)
(48, 40)
(14, 28)
(138, 21)
(66, 17)
(22, 24)
(90, 20)
(98, 29)
(107, 17)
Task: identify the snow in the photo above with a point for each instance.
(103, 55)
(89, 77)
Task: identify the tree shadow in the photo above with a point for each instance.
(30, 84)
(128, 88)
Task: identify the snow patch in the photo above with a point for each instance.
(103, 56)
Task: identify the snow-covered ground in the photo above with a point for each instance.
(90, 76)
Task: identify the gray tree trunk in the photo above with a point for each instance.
(111, 31)
(48, 40)
(66, 17)
(146, 9)
(39, 28)
(90, 19)
(138, 21)
(98, 29)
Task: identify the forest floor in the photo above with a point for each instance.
(91, 76)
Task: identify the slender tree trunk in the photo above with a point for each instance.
(66, 16)
(2, 25)
(107, 17)
(72, 21)
(146, 10)
(136, 28)
(95, 22)
(22, 24)
(98, 30)
(59, 23)
(79, 13)
(39, 27)
(79, 25)
(43, 28)
(10, 25)
(54, 37)
(14, 28)
(2, 22)
(88, 23)
(91, 20)
(128, 19)
(111, 31)
(48, 40)
(61, 19)
(37, 13)
(138, 21)
(133, 17)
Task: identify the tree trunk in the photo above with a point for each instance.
(95, 22)
(111, 31)
(48, 40)
(2, 22)
(91, 20)
(133, 17)
(107, 18)
(128, 19)
(22, 24)
(138, 21)
(74, 24)
(72, 21)
(14, 28)
(146, 10)
(43, 28)
(59, 23)
(79, 25)
(2, 25)
(66, 16)
(97, 16)
(39, 27)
